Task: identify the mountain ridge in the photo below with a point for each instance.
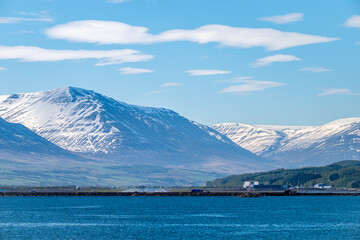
(103, 128)
(300, 145)
(17, 143)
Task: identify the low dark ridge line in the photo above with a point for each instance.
(181, 194)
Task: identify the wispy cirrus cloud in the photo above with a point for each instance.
(130, 70)
(237, 79)
(249, 86)
(35, 14)
(353, 21)
(105, 57)
(23, 19)
(3, 68)
(25, 31)
(265, 61)
(154, 92)
(164, 86)
(206, 72)
(337, 91)
(42, 16)
(111, 32)
(170, 84)
(315, 69)
(283, 19)
(117, 1)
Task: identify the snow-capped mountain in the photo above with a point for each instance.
(299, 146)
(19, 144)
(28, 159)
(108, 130)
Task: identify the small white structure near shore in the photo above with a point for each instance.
(322, 186)
(250, 184)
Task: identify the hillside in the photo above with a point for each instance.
(28, 159)
(339, 174)
(19, 144)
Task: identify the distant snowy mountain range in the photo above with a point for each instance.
(82, 137)
(111, 132)
(297, 146)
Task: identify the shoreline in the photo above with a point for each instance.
(178, 194)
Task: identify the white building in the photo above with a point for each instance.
(322, 186)
(250, 184)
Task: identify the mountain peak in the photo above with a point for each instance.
(69, 93)
(344, 121)
(87, 122)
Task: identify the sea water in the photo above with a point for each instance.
(179, 218)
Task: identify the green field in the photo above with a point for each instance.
(92, 174)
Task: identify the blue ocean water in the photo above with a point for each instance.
(179, 218)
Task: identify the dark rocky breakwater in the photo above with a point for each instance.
(184, 194)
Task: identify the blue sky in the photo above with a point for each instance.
(257, 62)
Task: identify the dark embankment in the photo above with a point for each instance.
(188, 194)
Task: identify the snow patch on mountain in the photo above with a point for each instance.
(259, 139)
(19, 144)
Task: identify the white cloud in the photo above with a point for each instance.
(21, 19)
(236, 80)
(171, 84)
(206, 72)
(353, 21)
(111, 32)
(357, 43)
(129, 70)
(3, 69)
(117, 1)
(243, 78)
(337, 91)
(265, 61)
(25, 31)
(165, 85)
(41, 16)
(315, 69)
(105, 57)
(154, 92)
(35, 14)
(283, 19)
(249, 86)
